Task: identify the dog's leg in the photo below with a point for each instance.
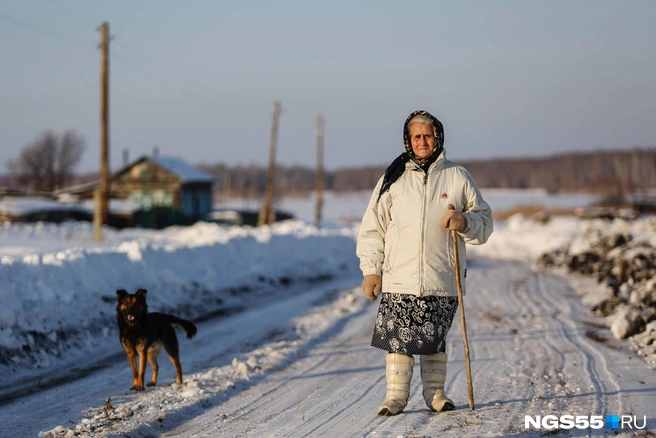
(178, 368)
(170, 343)
(174, 355)
(132, 360)
(152, 358)
(139, 384)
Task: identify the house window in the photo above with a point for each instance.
(162, 198)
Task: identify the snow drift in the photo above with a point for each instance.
(64, 295)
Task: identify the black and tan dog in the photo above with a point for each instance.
(144, 333)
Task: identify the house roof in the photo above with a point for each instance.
(183, 170)
(180, 168)
(79, 188)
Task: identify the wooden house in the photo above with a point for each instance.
(169, 191)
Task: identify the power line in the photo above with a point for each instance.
(38, 29)
(50, 33)
(180, 85)
(74, 14)
(146, 73)
(143, 56)
(70, 12)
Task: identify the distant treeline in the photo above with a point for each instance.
(610, 173)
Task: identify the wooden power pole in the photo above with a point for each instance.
(319, 182)
(267, 215)
(102, 211)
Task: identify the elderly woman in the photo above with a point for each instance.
(405, 251)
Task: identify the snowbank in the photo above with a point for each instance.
(521, 238)
(621, 256)
(58, 287)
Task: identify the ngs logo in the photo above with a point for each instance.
(584, 422)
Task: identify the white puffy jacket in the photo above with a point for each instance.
(401, 237)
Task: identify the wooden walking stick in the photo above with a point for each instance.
(454, 239)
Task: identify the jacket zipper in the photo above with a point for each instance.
(421, 240)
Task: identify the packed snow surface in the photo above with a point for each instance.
(283, 342)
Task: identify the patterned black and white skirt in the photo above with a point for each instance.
(408, 324)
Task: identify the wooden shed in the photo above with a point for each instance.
(169, 190)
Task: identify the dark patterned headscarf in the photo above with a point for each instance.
(438, 130)
(396, 169)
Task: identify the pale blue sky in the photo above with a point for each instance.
(199, 78)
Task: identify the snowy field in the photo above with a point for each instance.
(282, 348)
(349, 207)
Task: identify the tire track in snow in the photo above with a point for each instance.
(355, 394)
(550, 322)
(498, 323)
(357, 404)
(291, 415)
(565, 315)
(538, 354)
(318, 391)
(359, 398)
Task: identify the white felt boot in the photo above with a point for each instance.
(398, 372)
(433, 376)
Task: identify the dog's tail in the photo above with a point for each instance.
(187, 326)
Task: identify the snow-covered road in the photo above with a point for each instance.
(532, 354)
(308, 370)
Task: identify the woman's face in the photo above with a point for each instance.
(422, 140)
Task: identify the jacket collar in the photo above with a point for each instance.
(438, 163)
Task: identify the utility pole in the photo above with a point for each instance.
(267, 214)
(319, 182)
(104, 136)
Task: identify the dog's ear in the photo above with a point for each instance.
(121, 293)
(141, 293)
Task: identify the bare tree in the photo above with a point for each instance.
(47, 164)
(71, 149)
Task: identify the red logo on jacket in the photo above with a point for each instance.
(444, 196)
